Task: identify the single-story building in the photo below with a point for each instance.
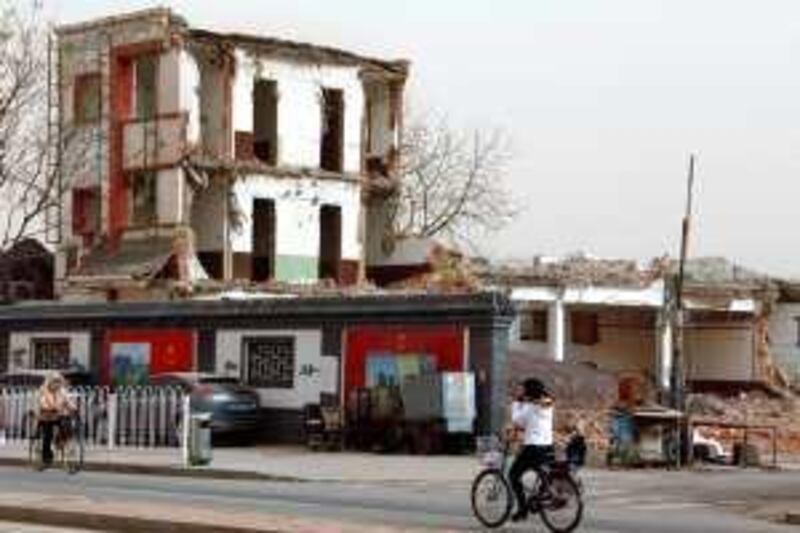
(616, 315)
(292, 349)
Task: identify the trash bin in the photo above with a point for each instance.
(200, 439)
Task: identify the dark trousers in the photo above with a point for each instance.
(48, 429)
(529, 458)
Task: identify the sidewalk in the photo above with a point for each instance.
(289, 463)
(140, 517)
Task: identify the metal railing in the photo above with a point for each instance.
(140, 417)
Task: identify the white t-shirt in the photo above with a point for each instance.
(537, 421)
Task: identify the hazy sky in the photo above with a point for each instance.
(604, 100)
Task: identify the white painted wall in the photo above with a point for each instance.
(620, 349)
(651, 296)
(784, 338)
(170, 196)
(170, 73)
(719, 353)
(382, 136)
(208, 217)
(21, 347)
(308, 345)
(299, 111)
(297, 206)
(190, 94)
(216, 135)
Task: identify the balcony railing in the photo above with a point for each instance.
(155, 143)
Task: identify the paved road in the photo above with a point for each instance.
(657, 502)
(12, 527)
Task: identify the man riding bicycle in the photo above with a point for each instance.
(55, 409)
(532, 414)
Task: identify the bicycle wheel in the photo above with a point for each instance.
(562, 509)
(35, 451)
(73, 451)
(492, 498)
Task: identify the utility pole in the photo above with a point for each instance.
(678, 380)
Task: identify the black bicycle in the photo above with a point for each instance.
(68, 445)
(554, 493)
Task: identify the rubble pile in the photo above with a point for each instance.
(593, 424)
(584, 395)
(582, 271)
(449, 273)
(574, 385)
(757, 408)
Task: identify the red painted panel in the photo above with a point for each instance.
(445, 343)
(121, 89)
(171, 350)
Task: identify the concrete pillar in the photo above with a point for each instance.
(227, 252)
(664, 352)
(556, 330)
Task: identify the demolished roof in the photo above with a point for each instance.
(718, 270)
(302, 51)
(577, 271)
(131, 259)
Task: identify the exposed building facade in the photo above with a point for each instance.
(615, 315)
(213, 157)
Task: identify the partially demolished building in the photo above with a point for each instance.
(219, 157)
(614, 315)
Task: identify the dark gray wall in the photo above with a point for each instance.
(488, 350)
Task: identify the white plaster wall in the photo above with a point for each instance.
(721, 353)
(170, 74)
(297, 206)
(651, 296)
(190, 94)
(308, 345)
(170, 191)
(21, 346)
(208, 217)
(380, 114)
(620, 349)
(299, 111)
(217, 138)
(783, 338)
(86, 155)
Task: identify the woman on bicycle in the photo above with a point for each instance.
(54, 407)
(532, 414)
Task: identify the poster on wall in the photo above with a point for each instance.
(130, 363)
(392, 369)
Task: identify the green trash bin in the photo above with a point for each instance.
(200, 439)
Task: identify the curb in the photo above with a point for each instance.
(111, 522)
(169, 471)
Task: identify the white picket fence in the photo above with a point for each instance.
(140, 417)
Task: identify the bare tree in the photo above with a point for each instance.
(452, 183)
(25, 183)
(30, 184)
